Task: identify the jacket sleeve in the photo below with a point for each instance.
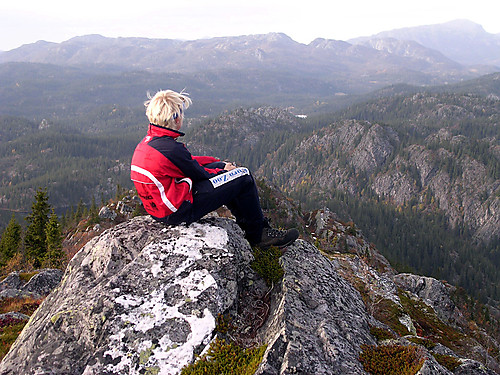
(204, 160)
(189, 165)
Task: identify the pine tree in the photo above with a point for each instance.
(35, 240)
(11, 240)
(55, 256)
(80, 209)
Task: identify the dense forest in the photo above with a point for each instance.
(72, 165)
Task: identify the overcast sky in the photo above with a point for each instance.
(27, 21)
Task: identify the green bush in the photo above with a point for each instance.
(448, 361)
(381, 334)
(391, 359)
(10, 328)
(426, 343)
(226, 359)
(267, 264)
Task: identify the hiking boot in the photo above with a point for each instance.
(279, 238)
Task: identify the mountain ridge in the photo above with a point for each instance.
(263, 51)
(461, 40)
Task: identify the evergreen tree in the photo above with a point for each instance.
(11, 240)
(80, 209)
(35, 240)
(55, 254)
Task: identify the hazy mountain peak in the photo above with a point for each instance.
(90, 38)
(409, 48)
(461, 40)
(329, 44)
(463, 25)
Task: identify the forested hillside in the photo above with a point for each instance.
(419, 174)
(71, 164)
(39, 91)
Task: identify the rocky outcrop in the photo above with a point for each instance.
(432, 292)
(318, 321)
(143, 298)
(418, 150)
(334, 156)
(461, 187)
(40, 283)
(140, 296)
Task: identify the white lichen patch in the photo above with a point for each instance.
(179, 327)
(174, 357)
(195, 283)
(408, 323)
(190, 242)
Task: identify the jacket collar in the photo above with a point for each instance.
(160, 131)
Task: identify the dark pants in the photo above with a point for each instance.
(240, 196)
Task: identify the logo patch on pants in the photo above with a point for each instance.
(223, 178)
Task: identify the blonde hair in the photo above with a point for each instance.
(165, 106)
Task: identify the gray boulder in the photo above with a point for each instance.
(318, 321)
(141, 297)
(38, 286)
(106, 213)
(432, 292)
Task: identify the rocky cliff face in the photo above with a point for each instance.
(442, 169)
(143, 298)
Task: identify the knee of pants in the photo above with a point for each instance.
(247, 179)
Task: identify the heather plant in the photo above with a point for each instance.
(448, 361)
(381, 334)
(223, 358)
(24, 305)
(428, 344)
(10, 328)
(391, 359)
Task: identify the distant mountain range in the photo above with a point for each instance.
(69, 79)
(419, 56)
(462, 41)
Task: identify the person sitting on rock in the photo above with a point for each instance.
(176, 187)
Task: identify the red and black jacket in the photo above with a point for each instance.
(163, 172)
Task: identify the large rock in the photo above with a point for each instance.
(38, 286)
(139, 298)
(433, 292)
(318, 320)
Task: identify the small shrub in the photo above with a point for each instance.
(388, 312)
(426, 343)
(351, 230)
(267, 264)
(448, 361)
(9, 321)
(391, 359)
(429, 325)
(224, 324)
(226, 359)
(26, 276)
(381, 334)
